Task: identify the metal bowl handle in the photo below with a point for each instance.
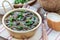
(4, 6)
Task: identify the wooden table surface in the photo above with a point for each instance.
(1, 18)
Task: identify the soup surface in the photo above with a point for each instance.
(20, 1)
(21, 20)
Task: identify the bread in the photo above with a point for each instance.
(50, 5)
(53, 21)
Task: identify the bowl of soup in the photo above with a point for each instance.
(21, 22)
(20, 3)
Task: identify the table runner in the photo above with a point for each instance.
(52, 35)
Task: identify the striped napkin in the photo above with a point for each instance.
(52, 35)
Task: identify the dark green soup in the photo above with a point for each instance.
(21, 20)
(20, 1)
